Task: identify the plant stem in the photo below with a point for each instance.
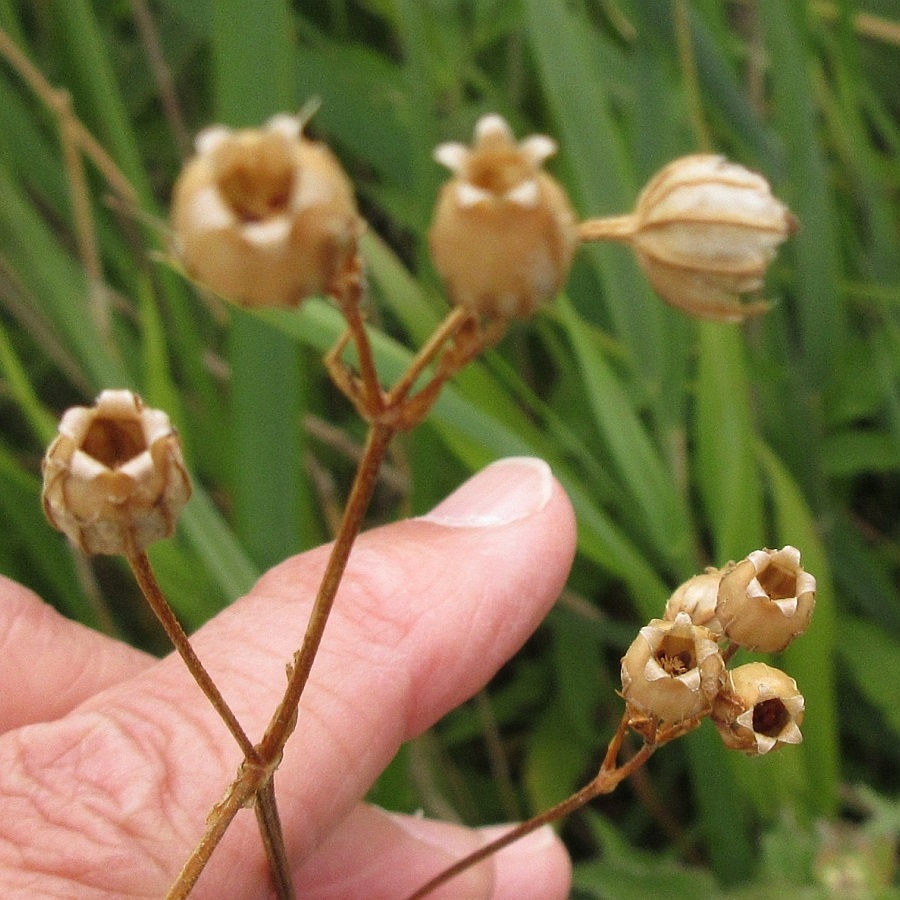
(351, 309)
(283, 721)
(143, 572)
(266, 809)
(452, 323)
(236, 798)
(273, 839)
(39, 85)
(606, 781)
(609, 228)
(254, 779)
(162, 75)
(388, 418)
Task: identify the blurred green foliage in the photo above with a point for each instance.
(680, 445)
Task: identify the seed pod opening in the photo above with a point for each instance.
(264, 217)
(766, 600)
(672, 670)
(114, 477)
(504, 232)
(759, 709)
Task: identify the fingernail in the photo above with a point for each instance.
(534, 844)
(504, 492)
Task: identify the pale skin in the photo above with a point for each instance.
(110, 759)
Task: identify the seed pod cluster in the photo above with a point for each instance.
(675, 671)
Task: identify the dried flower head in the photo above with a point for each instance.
(672, 670)
(504, 232)
(766, 600)
(759, 709)
(264, 216)
(705, 231)
(114, 477)
(697, 597)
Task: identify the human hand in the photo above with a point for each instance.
(110, 759)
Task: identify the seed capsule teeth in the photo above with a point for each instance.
(504, 233)
(264, 216)
(114, 477)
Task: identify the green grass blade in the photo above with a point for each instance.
(95, 92)
(215, 544)
(726, 468)
(649, 485)
(31, 551)
(60, 285)
(253, 79)
(594, 150)
(20, 389)
(807, 189)
(811, 658)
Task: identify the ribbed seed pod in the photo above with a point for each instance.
(504, 232)
(759, 709)
(766, 600)
(672, 671)
(705, 231)
(114, 477)
(264, 216)
(697, 597)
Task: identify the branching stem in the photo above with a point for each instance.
(266, 808)
(146, 579)
(357, 503)
(605, 782)
(254, 780)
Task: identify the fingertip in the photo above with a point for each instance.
(536, 866)
(395, 855)
(75, 662)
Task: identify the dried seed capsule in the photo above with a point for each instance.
(766, 600)
(672, 670)
(705, 231)
(697, 597)
(264, 216)
(759, 709)
(114, 477)
(504, 232)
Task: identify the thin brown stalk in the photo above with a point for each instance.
(387, 413)
(143, 572)
(83, 217)
(282, 722)
(606, 781)
(452, 323)
(162, 76)
(252, 778)
(39, 85)
(368, 372)
(220, 817)
(273, 840)
(609, 228)
(266, 809)
(880, 28)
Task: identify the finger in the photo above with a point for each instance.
(429, 609)
(49, 664)
(394, 854)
